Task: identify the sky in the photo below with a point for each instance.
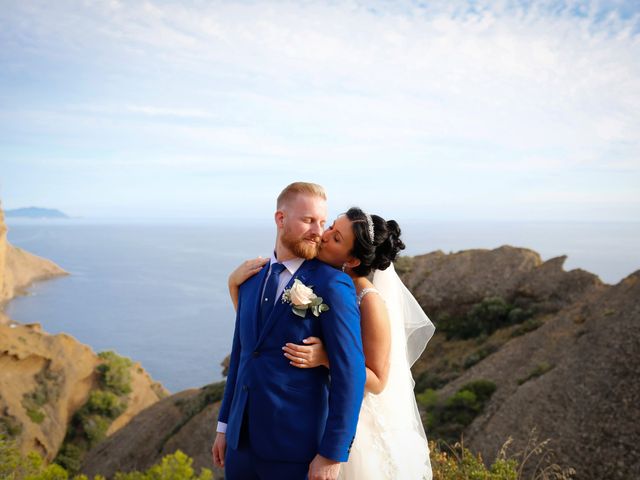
(452, 110)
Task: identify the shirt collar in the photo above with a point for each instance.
(291, 265)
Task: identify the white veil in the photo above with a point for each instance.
(411, 329)
(404, 309)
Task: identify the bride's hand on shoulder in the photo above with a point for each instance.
(310, 355)
(245, 270)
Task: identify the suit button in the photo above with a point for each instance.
(256, 354)
(245, 388)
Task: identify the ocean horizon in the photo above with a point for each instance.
(156, 291)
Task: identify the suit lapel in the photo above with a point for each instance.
(282, 309)
(254, 310)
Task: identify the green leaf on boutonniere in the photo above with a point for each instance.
(301, 312)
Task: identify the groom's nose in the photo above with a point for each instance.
(316, 230)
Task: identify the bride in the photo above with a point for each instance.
(390, 441)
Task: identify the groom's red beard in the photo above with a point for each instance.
(301, 247)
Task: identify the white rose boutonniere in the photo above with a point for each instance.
(302, 298)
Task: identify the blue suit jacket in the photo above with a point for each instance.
(295, 413)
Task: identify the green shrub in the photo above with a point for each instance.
(540, 370)
(479, 355)
(526, 327)
(536, 459)
(105, 403)
(115, 372)
(176, 466)
(447, 418)
(483, 318)
(10, 425)
(70, 457)
(482, 388)
(37, 416)
(95, 428)
(15, 466)
(427, 399)
(89, 425)
(427, 380)
(458, 463)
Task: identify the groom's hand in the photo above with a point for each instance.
(219, 449)
(323, 468)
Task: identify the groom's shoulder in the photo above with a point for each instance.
(329, 274)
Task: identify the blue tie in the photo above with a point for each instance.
(270, 292)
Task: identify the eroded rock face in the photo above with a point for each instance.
(588, 403)
(453, 283)
(46, 378)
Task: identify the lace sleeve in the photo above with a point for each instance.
(365, 291)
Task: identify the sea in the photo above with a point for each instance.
(156, 291)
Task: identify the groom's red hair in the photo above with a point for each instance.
(296, 188)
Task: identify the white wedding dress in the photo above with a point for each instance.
(390, 441)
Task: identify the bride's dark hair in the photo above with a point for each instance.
(384, 249)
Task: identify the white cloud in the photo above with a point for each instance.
(484, 88)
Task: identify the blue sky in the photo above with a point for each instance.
(426, 110)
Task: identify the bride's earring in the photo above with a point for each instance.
(344, 266)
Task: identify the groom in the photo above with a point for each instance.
(277, 421)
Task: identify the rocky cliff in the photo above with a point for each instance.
(47, 379)
(575, 381)
(572, 377)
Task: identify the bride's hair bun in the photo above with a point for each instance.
(384, 249)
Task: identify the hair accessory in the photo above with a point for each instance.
(370, 223)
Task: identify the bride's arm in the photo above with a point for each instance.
(376, 341)
(239, 276)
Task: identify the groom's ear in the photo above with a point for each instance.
(279, 218)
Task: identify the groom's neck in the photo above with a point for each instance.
(283, 253)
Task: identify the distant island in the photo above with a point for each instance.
(35, 212)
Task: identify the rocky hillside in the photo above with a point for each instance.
(569, 369)
(575, 380)
(185, 421)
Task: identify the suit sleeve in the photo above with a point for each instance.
(343, 343)
(230, 386)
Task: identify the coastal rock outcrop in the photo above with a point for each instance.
(19, 268)
(47, 378)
